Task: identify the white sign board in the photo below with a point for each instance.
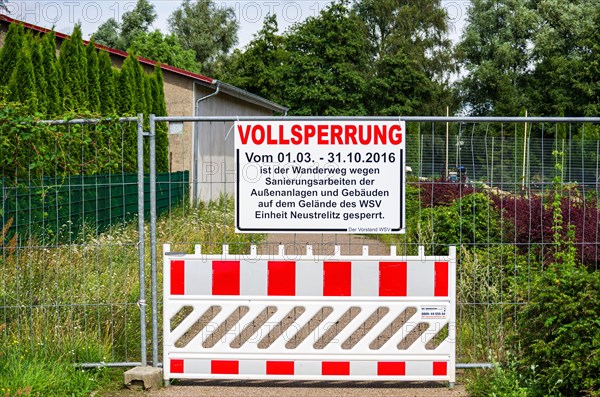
(320, 176)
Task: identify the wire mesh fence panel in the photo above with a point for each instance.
(69, 257)
(491, 187)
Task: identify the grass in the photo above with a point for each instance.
(62, 304)
(43, 370)
(73, 303)
(499, 382)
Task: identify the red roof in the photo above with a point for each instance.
(113, 51)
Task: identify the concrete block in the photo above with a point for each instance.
(143, 378)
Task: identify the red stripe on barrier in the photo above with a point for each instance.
(177, 277)
(391, 368)
(226, 278)
(335, 368)
(392, 278)
(224, 367)
(176, 366)
(280, 368)
(281, 278)
(441, 279)
(337, 278)
(440, 368)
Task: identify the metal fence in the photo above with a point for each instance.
(84, 293)
(503, 230)
(71, 261)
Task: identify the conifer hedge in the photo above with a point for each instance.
(37, 84)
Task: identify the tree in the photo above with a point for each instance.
(259, 68)
(108, 34)
(107, 84)
(39, 71)
(13, 42)
(126, 99)
(418, 29)
(528, 54)
(22, 87)
(589, 83)
(129, 104)
(164, 49)
(494, 52)
(159, 108)
(139, 88)
(204, 28)
(328, 57)
(53, 97)
(408, 45)
(399, 87)
(352, 60)
(73, 65)
(560, 56)
(135, 22)
(93, 77)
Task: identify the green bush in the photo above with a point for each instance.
(501, 381)
(468, 221)
(494, 274)
(412, 209)
(559, 330)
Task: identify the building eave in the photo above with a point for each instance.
(252, 98)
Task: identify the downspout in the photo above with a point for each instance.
(197, 135)
(208, 96)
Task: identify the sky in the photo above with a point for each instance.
(250, 14)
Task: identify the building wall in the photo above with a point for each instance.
(213, 154)
(179, 97)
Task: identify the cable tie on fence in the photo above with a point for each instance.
(141, 302)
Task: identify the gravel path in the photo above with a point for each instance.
(323, 244)
(308, 389)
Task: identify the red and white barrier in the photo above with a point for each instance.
(424, 287)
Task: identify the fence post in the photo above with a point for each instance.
(153, 240)
(141, 242)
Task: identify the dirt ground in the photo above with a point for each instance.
(308, 389)
(323, 244)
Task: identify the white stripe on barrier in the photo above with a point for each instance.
(253, 278)
(309, 278)
(365, 279)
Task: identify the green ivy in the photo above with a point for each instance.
(30, 150)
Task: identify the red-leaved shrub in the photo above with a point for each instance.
(441, 192)
(531, 222)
